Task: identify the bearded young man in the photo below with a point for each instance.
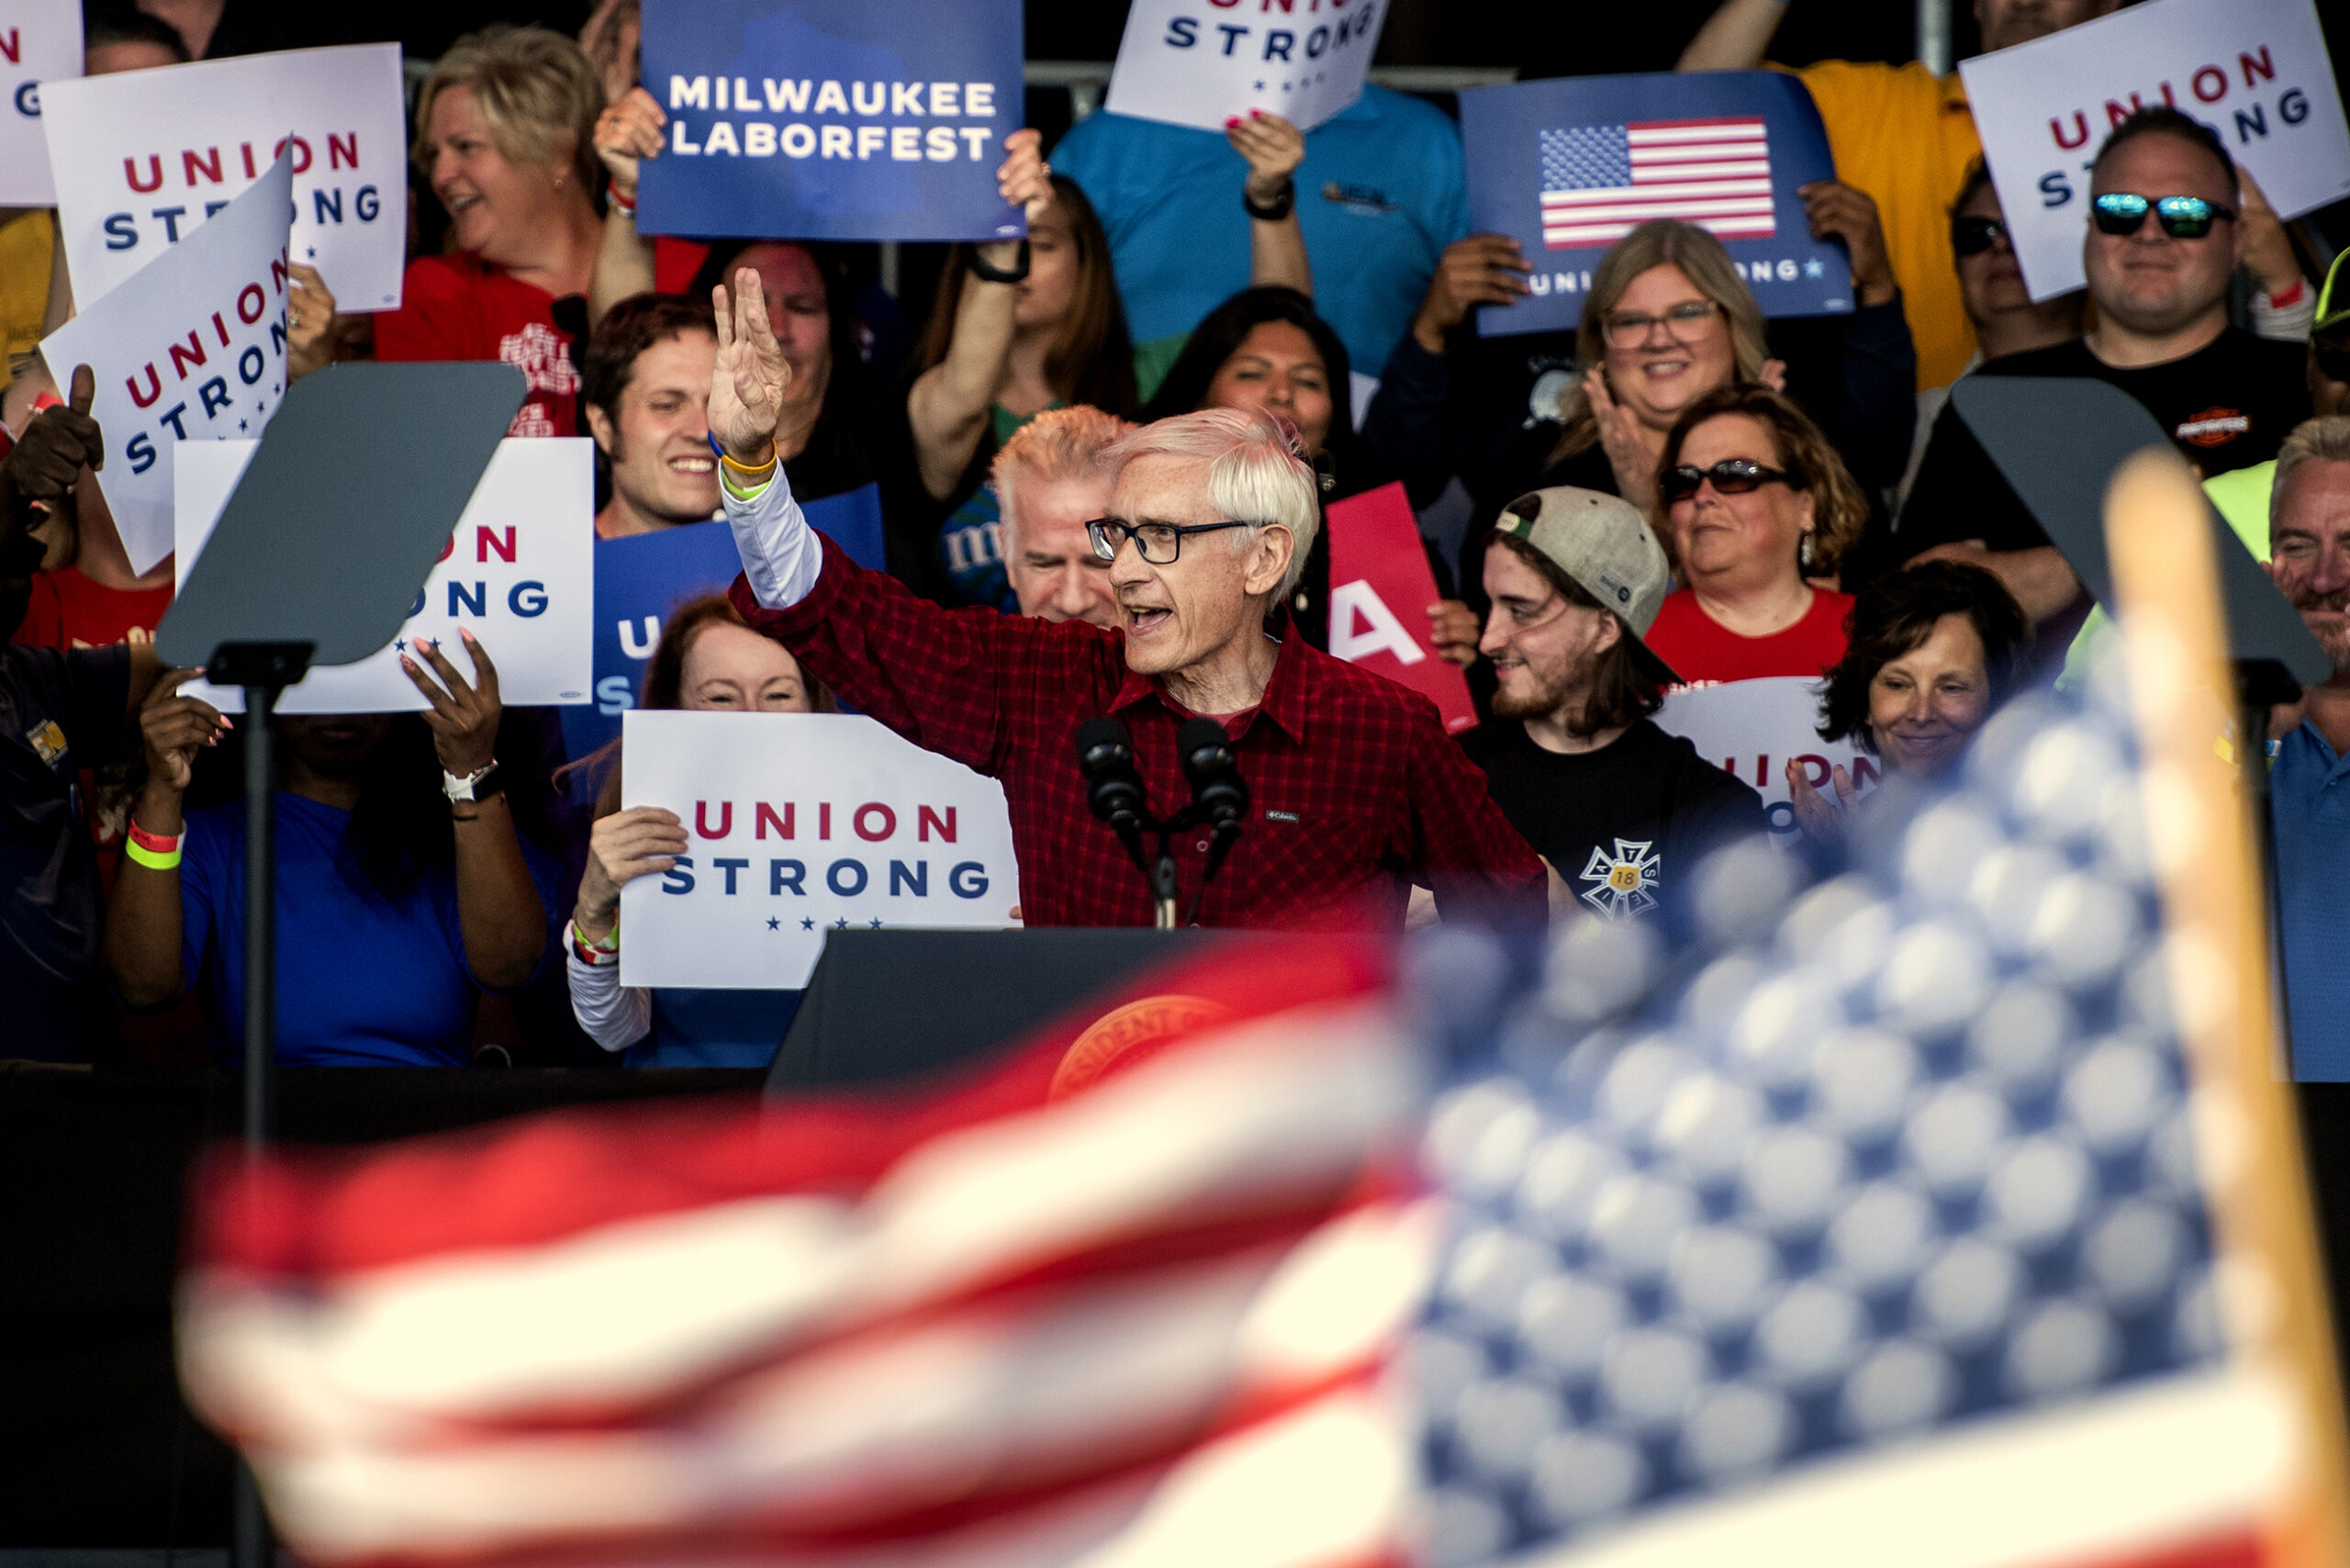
(2308, 780)
(1358, 794)
(1621, 811)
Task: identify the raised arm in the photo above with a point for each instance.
(1274, 148)
(500, 915)
(145, 923)
(630, 131)
(948, 405)
(1735, 37)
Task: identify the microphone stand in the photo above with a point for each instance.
(1106, 756)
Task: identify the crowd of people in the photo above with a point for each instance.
(1104, 461)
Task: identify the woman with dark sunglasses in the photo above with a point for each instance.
(1757, 505)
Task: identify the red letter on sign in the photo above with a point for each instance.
(486, 540)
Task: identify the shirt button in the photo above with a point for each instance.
(1204, 846)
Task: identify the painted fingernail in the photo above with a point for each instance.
(1233, 121)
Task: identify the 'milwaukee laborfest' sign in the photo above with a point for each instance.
(797, 825)
(831, 120)
(516, 573)
(196, 352)
(2254, 71)
(143, 159)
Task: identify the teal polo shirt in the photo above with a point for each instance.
(1380, 196)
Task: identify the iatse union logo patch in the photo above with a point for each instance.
(1625, 884)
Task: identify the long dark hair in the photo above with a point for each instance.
(401, 827)
(1896, 613)
(1621, 692)
(1219, 336)
(1093, 359)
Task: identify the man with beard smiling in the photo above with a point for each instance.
(1356, 793)
(1620, 810)
(643, 386)
(2308, 778)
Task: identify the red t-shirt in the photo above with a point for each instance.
(1702, 651)
(71, 610)
(455, 306)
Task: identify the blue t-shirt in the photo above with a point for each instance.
(714, 1028)
(362, 981)
(1380, 196)
(2311, 787)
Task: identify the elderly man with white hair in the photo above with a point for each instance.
(1357, 791)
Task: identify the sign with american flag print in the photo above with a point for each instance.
(1569, 167)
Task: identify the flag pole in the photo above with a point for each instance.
(2166, 578)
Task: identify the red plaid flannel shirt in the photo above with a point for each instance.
(1354, 789)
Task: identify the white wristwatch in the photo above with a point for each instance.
(478, 785)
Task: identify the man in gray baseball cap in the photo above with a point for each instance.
(1621, 811)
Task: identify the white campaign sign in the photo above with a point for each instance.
(519, 573)
(2254, 71)
(797, 825)
(1199, 62)
(144, 158)
(40, 40)
(1752, 728)
(195, 353)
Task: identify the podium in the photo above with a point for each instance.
(887, 1006)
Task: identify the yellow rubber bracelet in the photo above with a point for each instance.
(750, 467)
(150, 858)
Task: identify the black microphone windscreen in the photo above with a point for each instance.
(1199, 735)
(1101, 740)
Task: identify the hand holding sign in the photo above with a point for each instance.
(632, 129)
(1482, 269)
(464, 717)
(747, 385)
(174, 729)
(1274, 148)
(621, 848)
(1839, 211)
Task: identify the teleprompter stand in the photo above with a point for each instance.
(2058, 442)
(317, 559)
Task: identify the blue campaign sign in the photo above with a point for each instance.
(641, 579)
(831, 120)
(1571, 166)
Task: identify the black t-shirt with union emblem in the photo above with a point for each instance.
(2227, 406)
(59, 713)
(1625, 826)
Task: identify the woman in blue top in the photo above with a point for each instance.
(709, 661)
(403, 888)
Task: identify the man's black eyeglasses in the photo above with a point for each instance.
(1731, 476)
(2120, 214)
(1972, 236)
(1160, 543)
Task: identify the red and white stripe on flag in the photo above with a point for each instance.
(1145, 1322)
(1715, 174)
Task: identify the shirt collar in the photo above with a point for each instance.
(1285, 700)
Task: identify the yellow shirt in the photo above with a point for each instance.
(1905, 136)
(24, 285)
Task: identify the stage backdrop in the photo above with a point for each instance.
(1569, 167)
(831, 120)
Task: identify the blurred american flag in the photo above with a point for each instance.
(1870, 1232)
(1141, 1323)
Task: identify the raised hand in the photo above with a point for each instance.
(1482, 269)
(58, 442)
(174, 729)
(1620, 438)
(631, 130)
(464, 719)
(1023, 179)
(609, 41)
(2268, 250)
(1274, 148)
(310, 323)
(621, 848)
(1821, 823)
(1453, 628)
(1848, 213)
(748, 384)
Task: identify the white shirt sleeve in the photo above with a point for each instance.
(2287, 324)
(781, 556)
(613, 1015)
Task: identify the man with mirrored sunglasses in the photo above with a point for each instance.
(2162, 241)
(1357, 793)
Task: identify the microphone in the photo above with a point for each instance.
(1105, 754)
(1218, 792)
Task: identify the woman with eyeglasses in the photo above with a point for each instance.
(1756, 503)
